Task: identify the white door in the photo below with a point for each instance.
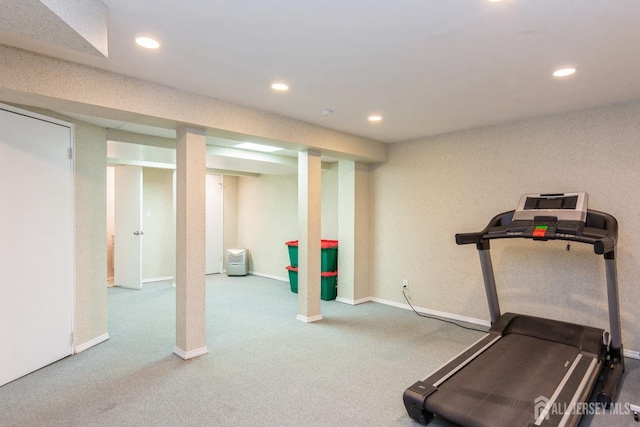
(127, 247)
(36, 255)
(214, 224)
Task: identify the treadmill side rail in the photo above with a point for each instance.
(415, 396)
(459, 361)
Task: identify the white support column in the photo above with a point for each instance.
(353, 233)
(190, 242)
(310, 223)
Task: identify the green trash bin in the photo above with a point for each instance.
(292, 246)
(293, 278)
(328, 254)
(329, 285)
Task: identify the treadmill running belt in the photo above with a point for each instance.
(499, 387)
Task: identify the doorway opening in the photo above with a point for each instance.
(148, 232)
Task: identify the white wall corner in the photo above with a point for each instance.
(354, 302)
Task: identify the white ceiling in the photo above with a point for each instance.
(427, 66)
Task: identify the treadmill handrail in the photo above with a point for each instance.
(596, 223)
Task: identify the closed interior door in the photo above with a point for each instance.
(36, 256)
(127, 247)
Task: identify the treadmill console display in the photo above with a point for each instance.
(553, 207)
(545, 216)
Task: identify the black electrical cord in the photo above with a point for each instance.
(404, 293)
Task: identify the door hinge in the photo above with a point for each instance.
(70, 153)
(71, 339)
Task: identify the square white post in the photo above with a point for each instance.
(190, 242)
(310, 224)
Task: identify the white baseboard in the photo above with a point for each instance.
(442, 314)
(186, 355)
(354, 302)
(91, 343)
(631, 354)
(310, 319)
(270, 276)
(157, 279)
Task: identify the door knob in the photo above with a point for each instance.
(136, 233)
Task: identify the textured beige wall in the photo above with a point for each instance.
(159, 243)
(268, 217)
(362, 258)
(432, 188)
(330, 202)
(91, 231)
(353, 255)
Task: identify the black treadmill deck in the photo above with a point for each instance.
(504, 384)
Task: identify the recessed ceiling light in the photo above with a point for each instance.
(494, 1)
(279, 86)
(257, 147)
(563, 72)
(147, 43)
(375, 118)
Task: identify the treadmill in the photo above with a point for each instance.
(530, 371)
